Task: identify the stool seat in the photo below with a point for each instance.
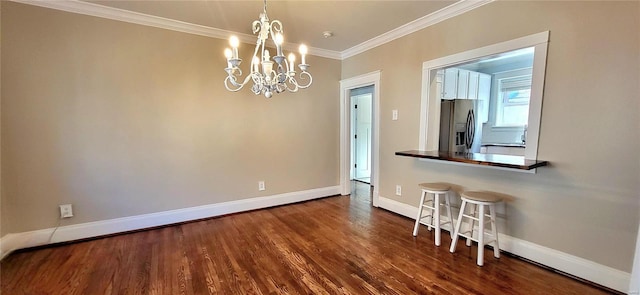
(435, 186)
(482, 196)
(482, 201)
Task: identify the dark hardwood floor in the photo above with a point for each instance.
(335, 245)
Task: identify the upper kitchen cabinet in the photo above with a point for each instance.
(465, 84)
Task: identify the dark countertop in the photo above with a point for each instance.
(505, 161)
(505, 145)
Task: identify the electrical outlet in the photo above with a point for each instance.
(398, 190)
(394, 115)
(261, 186)
(66, 211)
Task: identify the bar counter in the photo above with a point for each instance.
(495, 160)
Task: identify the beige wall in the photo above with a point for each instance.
(121, 119)
(587, 202)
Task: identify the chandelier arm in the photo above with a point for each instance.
(255, 53)
(258, 83)
(281, 87)
(255, 26)
(233, 75)
(305, 76)
(276, 26)
(236, 86)
(281, 79)
(292, 84)
(234, 72)
(282, 73)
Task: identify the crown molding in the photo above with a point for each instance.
(97, 10)
(448, 12)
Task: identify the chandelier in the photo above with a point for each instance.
(268, 76)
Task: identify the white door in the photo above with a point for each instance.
(362, 136)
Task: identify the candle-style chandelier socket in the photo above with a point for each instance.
(269, 74)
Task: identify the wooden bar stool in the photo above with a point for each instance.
(480, 201)
(436, 189)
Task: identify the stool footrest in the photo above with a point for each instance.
(476, 218)
(476, 240)
(434, 226)
(441, 222)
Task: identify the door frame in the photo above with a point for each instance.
(346, 85)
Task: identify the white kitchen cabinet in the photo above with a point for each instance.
(450, 84)
(472, 92)
(465, 84)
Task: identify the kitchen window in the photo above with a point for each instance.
(512, 108)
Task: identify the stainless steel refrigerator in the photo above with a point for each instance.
(459, 129)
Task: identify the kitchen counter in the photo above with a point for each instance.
(495, 160)
(515, 145)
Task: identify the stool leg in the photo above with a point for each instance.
(481, 236)
(494, 230)
(448, 205)
(432, 209)
(456, 229)
(420, 207)
(474, 213)
(436, 206)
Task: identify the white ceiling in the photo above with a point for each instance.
(352, 22)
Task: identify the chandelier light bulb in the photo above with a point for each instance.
(292, 61)
(279, 39)
(303, 51)
(234, 42)
(227, 54)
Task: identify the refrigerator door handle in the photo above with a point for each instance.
(470, 129)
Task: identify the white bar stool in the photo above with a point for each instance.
(479, 200)
(436, 189)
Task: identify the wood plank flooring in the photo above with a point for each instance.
(335, 245)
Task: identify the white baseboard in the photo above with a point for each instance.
(573, 265)
(11, 242)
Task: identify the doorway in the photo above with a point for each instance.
(347, 135)
(361, 129)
